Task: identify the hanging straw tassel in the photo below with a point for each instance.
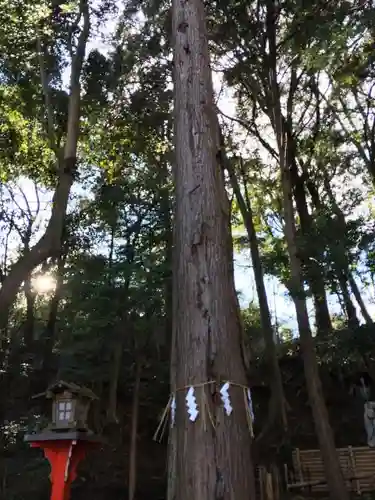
(159, 433)
(248, 413)
(203, 406)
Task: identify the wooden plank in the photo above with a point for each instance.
(357, 465)
(268, 486)
(299, 467)
(352, 464)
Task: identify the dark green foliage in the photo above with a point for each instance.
(114, 270)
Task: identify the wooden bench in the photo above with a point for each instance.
(357, 465)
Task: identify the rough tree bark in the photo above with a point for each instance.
(50, 242)
(213, 458)
(335, 480)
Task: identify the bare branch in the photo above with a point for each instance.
(29, 212)
(253, 130)
(37, 199)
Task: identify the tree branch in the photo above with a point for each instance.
(47, 96)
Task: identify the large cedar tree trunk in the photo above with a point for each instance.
(211, 461)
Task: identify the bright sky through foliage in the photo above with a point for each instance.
(279, 302)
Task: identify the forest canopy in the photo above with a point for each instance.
(93, 207)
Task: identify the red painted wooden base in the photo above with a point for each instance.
(64, 457)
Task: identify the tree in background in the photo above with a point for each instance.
(97, 309)
(47, 33)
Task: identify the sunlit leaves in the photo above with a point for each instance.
(23, 146)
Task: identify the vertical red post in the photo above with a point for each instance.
(64, 457)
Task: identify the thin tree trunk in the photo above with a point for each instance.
(359, 299)
(30, 319)
(341, 263)
(342, 272)
(117, 348)
(334, 476)
(277, 402)
(123, 321)
(49, 336)
(350, 310)
(333, 471)
(213, 458)
(134, 431)
(310, 251)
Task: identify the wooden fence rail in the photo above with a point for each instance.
(357, 465)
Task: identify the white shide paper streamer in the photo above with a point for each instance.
(191, 404)
(173, 411)
(250, 403)
(224, 392)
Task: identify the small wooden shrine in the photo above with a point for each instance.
(70, 406)
(67, 439)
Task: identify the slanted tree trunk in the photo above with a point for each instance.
(349, 307)
(277, 411)
(213, 458)
(50, 242)
(342, 265)
(359, 299)
(335, 480)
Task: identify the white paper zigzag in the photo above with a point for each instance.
(224, 392)
(191, 404)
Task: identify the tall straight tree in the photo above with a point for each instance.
(334, 476)
(212, 454)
